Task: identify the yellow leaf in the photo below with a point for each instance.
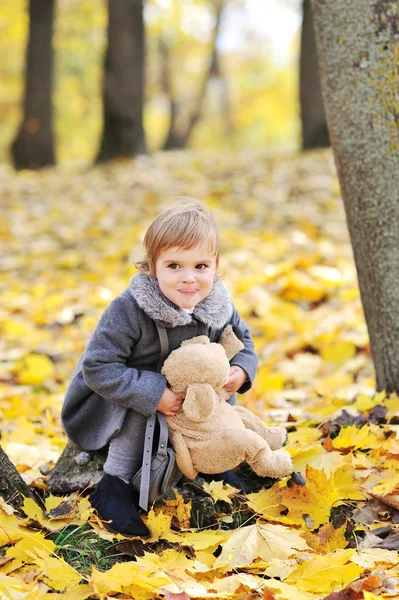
(363, 403)
(318, 458)
(370, 596)
(220, 491)
(34, 369)
(33, 512)
(127, 577)
(52, 502)
(370, 557)
(10, 529)
(338, 352)
(158, 524)
(202, 540)
(56, 572)
(265, 541)
(280, 568)
(346, 484)
(299, 286)
(179, 509)
(289, 592)
(327, 539)
(314, 499)
(324, 574)
(231, 584)
(386, 486)
(15, 589)
(367, 436)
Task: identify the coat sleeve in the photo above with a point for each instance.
(104, 365)
(246, 358)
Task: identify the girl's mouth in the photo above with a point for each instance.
(188, 292)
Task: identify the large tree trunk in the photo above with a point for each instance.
(123, 89)
(33, 147)
(358, 52)
(178, 135)
(12, 487)
(313, 117)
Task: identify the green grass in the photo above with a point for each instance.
(82, 549)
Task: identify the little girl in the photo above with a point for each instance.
(116, 386)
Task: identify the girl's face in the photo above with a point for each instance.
(185, 276)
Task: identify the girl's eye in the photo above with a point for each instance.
(201, 266)
(173, 266)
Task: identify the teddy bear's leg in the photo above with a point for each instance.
(183, 457)
(263, 460)
(274, 436)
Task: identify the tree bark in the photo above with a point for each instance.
(13, 488)
(358, 51)
(313, 117)
(177, 137)
(33, 147)
(123, 88)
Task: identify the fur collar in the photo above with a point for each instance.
(215, 310)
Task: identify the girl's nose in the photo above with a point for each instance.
(188, 277)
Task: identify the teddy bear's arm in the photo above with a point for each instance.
(200, 401)
(183, 457)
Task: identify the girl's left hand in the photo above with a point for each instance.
(236, 378)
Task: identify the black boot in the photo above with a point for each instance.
(227, 477)
(114, 501)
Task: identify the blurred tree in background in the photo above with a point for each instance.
(313, 116)
(204, 58)
(123, 87)
(33, 146)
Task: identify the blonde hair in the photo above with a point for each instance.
(183, 225)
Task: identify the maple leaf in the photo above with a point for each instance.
(323, 574)
(158, 524)
(179, 509)
(260, 541)
(327, 539)
(352, 437)
(220, 491)
(314, 499)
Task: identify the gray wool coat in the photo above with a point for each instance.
(118, 369)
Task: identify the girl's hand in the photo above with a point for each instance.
(236, 378)
(170, 403)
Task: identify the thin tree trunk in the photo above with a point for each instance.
(13, 488)
(123, 89)
(313, 117)
(358, 52)
(178, 137)
(33, 147)
(225, 105)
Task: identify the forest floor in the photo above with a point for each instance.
(68, 244)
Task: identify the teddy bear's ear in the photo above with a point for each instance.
(230, 342)
(199, 403)
(200, 339)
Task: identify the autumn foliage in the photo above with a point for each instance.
(328, 531)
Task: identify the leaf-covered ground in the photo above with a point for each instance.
(68, 243)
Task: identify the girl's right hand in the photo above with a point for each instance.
(170, 403)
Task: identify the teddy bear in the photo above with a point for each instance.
(210, 435)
